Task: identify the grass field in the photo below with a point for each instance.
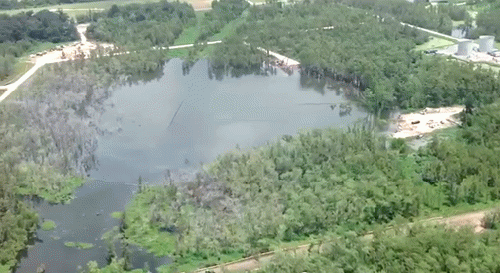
(178, 53)
(230, 28)
(190, 34)
(81, 8)
(434, 43)
(76, 9)
(44, 46)
(457, 23)
(22, 66)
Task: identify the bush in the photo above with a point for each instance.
(492, 219)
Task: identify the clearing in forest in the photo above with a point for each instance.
(426, 121)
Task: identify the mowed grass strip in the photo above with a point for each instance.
(434, 43)
(230, 28)
(181, 53)
(190, 35)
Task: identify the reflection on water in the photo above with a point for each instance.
(177, 121)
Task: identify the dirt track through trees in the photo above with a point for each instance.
(472, 219)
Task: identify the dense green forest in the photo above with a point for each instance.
(222, 12)
(142, 25)
(487, 21)
(42, 26)
(437, 18)
(19, 4)
(419, 249)
(22, 32)
(17, 221)
(372, 53)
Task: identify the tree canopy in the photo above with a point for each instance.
(487, 22)
(21, 32)
(142, 25)
(41, 26)
(416, 249)
(373, 53)
(18, 4)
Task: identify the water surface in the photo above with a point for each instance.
(176, 122)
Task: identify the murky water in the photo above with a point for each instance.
(174, 123)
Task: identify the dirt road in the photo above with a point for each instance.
(472, 219)
(253, 263)
(286, 61)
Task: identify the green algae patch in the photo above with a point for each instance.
(139, 230)
(46, 183)
(48, 225)
(117, 214)
(79, 245)
(70, 244)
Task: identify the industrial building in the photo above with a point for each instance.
(486, 43)
(464, 47)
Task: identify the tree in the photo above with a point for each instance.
(113, 11)
(139, 184)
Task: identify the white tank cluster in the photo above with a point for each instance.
(486, 43)
(464, 47)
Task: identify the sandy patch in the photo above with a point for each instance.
(426, 121)
(77, 50)
(200, 4)
(473, 220)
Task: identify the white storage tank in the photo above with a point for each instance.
(464, 47)
(486, 43)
